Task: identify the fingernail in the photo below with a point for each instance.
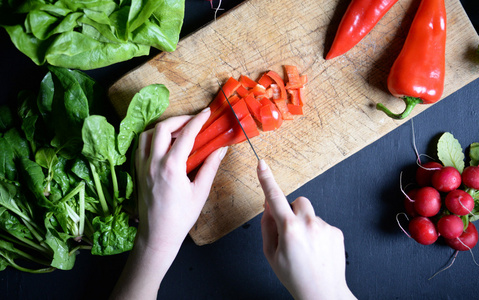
(262, 165)
(207, 109)
(223, 152)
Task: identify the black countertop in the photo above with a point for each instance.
(360, 195)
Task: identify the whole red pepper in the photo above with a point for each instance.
(417, 75)
(358, 20)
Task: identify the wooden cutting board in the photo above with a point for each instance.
(340, 116)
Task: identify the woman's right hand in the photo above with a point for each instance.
(306, 253)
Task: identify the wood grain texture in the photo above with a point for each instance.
(340, 116)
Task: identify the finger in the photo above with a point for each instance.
(162, 135)
(280, 207)
(186, 137)
(303, 207)
(207, 172)
(144, 143)
(269, 232)
(144, 146)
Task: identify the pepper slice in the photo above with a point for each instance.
(417, 75)
(254, 106)
(222, 124)
(247, 82)
(232, 136)
(219, 111)
(294, 80)
(359, 19)
(270, 116)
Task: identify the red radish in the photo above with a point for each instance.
(459, 202)
(425, 171)
(422, 230)
(470, 177)
(409, 203)
(466, 241)
(450, 226)
(427, 201)
(446, 179)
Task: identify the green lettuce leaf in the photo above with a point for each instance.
(91, 34)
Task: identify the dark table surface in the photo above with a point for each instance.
(359, 195)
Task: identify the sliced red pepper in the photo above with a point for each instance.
(254, 106)
(283, 109)
(417, 75)
(247, 82)
(224, 107)
(295, 109)
(258, 90)
(294, 80)
(279, 81)
(270, 117)
(265, 80)
(232, 136)
(242, 91)
(295, 97)
(230, 86)
(220, 125)
(265, 101)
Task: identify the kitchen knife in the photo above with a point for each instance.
(239, 123)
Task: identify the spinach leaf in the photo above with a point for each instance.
(99, 140)
(145, 108)
(20, 146)
(58, 242)
(112, 235)
(7, 163)
(6, 119)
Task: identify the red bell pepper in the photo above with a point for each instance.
(279, 81)
(270, 117)
(266, 100)
(222, 124)
(242, 91)
(294, 80)
(254, 106)
(219, 111)
(258, 90)
(359, 19)
(265, 80)
(296, 106)
(230, 86)
(247, 82)
(417, 75)
(232, 136)
(295, 109)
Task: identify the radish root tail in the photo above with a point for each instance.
(399, 223)
(446, 267)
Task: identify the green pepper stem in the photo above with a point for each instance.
(410, 103)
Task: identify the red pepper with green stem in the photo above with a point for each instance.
(358, 20)
(417, 75)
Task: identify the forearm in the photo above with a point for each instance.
(144, 271)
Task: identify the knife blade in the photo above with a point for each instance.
(239, 123)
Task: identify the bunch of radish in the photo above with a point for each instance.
(445, 198)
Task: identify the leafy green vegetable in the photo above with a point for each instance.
(91, 34)
(64, 184)
(450, 152)
(6, 119)
(474, 154)
(146, 106)
(112, 235)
